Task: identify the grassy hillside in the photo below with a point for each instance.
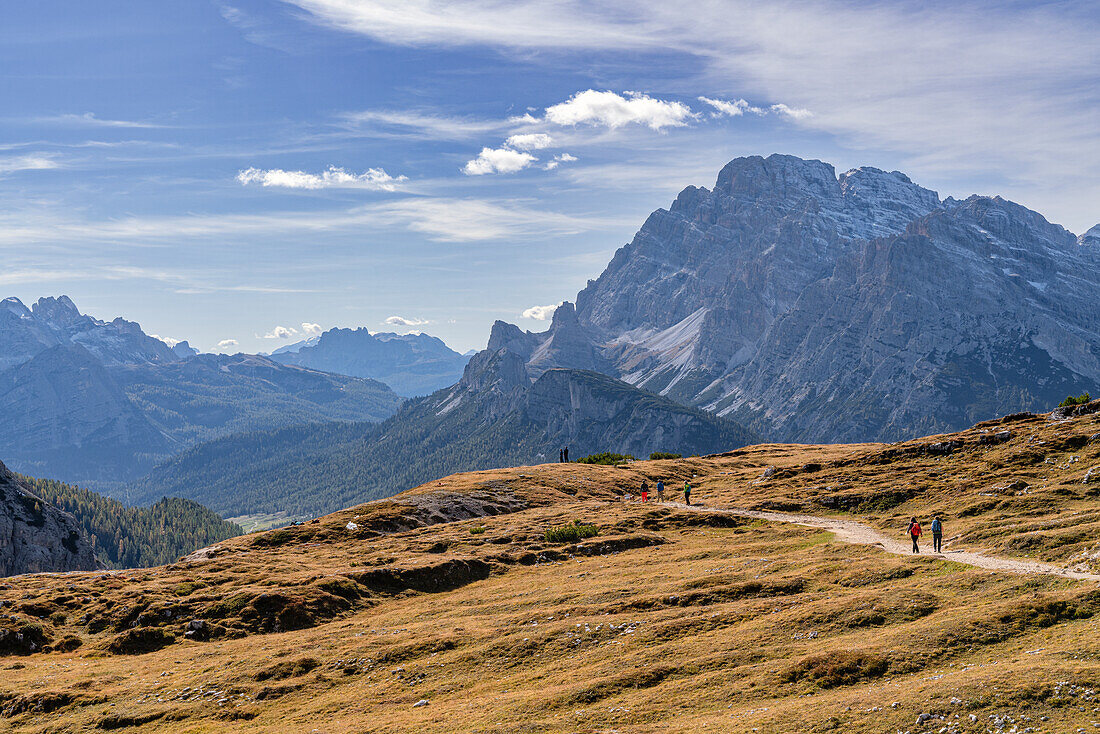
(447, 609)
(313, 469)
(135, 537)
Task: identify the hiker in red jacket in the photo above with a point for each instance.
(914, 533)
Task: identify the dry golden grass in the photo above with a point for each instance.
(669, 620)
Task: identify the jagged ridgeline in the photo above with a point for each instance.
(493, 417)
(136, 537)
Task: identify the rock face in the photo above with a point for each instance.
(411, 364)
(36, 536)
(817, 307)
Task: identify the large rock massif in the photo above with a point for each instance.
(411, 364)
(814, 307)
(36, 536)
(99, 402)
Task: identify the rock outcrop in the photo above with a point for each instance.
(36, 536)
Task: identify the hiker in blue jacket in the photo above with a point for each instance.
(937, 534)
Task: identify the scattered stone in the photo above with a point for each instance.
(421, 702)
(1092, 475)
(768, 473)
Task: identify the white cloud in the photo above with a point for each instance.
(442, 219)
(1000, 90)
(498, 160)
(529, 141)
(736, 108)
(167, 339)
(402, 321)
(30, 162)
(227, 343)
(558, 160)
(281, 332)
(417, 124)
(739, 107)
(374, 179)
(311, 329)
(472, 220)
(540, 313)
(796, 113)
(89, 119)
(612, 110)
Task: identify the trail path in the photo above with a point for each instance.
(857, 533)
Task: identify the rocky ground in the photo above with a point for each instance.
(446, 609)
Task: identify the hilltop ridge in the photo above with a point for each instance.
(451, 594)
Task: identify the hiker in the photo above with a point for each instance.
(645, 491)
(660, 491)
(565, 454)
(687, 493)
(937, 535)
(561, 456)
(914, 533)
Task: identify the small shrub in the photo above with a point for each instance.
(571, 533)
(840, 668)
(663, 455)
(477, 530)
(1071, 401)
(605, 458)
(187, 588)
(58, 618)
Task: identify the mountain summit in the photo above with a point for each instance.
(818, 307)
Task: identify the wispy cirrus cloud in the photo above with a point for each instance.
(89, 119)
(958, 87)
(442, 219)
(417, 124)
(375, 179)
(29, 162)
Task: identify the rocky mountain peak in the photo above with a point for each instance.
(510, 337)
(778, 176)
(566, 344)
(15, 307)
(59, 313)
(1092, 237)
(885, 202)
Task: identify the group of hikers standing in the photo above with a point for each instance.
(563, 455)
(660, 488)
(937, 534)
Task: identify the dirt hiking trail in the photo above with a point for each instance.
(857, 533)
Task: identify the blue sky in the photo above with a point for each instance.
(217, 170)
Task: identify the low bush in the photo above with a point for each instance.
(841, 668)
(663, 455)
(571, 533)
(477, 530)
(1071, 401)
(605, 458)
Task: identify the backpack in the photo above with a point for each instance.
(937, 529)
(914, 529)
